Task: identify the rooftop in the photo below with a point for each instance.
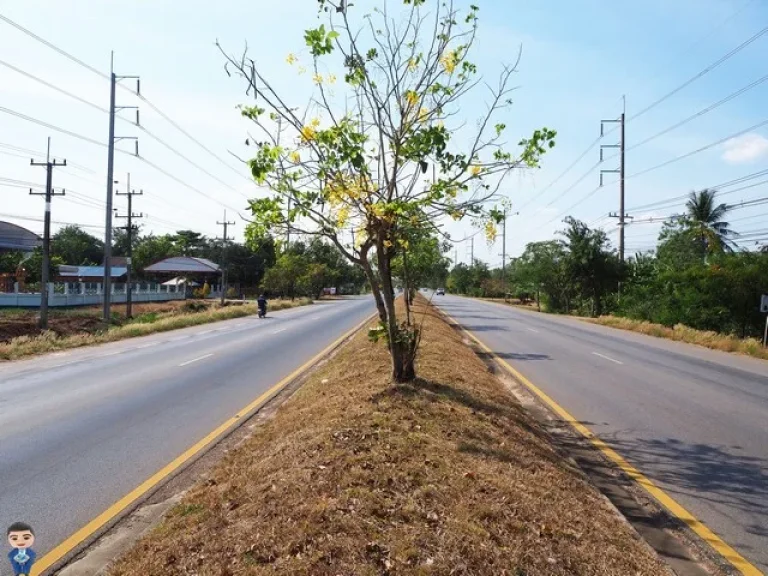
(90, 271)
(13, 237)
(183, 265)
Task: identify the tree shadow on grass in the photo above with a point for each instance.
(441, 391)
(505, 415)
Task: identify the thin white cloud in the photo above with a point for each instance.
(746, 148)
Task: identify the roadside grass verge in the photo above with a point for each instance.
(143, 325)
(682, 333)
(357, 476)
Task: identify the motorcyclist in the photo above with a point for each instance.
(262, 302)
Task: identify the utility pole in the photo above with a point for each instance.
(224, 273)
(129, 229)
(504, 255)
(113, 109)
(472, 250)
(621, 215)
(504, 251)
(49, 194)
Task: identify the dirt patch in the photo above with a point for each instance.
(356, 475)
(25, 324)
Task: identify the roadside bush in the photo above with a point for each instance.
(194, 306)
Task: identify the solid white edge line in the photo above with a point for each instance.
(188, 362)
(607, 358)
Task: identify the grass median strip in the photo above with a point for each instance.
(356, 475)
(143, 325)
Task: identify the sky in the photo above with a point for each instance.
(582, 62)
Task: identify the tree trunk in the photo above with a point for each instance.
(403, 369)
(375, 288)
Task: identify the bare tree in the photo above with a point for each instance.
(362, 165)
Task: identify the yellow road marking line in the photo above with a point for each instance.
(726, 551)
(65, 547)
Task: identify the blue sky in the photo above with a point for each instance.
(578, 59)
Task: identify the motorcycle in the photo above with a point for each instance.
(262, 310)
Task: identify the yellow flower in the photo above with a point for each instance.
(332, 79)
(387, 244)
(413, 63)
(318, 79)
(423, 113)
(449, 61)
(315, 122)
(412, 98)
(295, 157)
(342, 216)
(490, 231)
(308, 133)
(476, 170)
(291, 59)
(456, 215)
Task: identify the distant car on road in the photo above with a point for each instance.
(440, 292)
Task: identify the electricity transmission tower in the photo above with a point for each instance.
(113, 109)
(621, 215)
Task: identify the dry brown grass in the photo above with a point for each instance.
(682, 333)
(148, 320)
(357, 476)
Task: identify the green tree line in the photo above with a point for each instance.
(697, 276)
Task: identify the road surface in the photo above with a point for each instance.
(693, 420)
(80, 429)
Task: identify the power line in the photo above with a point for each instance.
(52, 46)
(60, 222)
(54, 87)
(702, 112)
(563, 173)
(699, 150)
(52, 127)
(659, 101)
(674, 200)
(106, 111)
(38, 153)
(192, 138)
(104, 145)
(705, 71)
(141, 97)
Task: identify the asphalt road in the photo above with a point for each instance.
(695, 421)
(80, 429)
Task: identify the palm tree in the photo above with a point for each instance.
(706, 221)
